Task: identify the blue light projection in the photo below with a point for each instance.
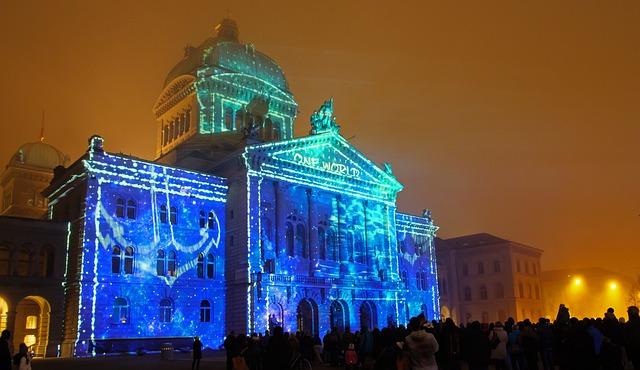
(323, 235)
(152, 253)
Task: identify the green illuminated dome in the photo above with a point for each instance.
(39, 155)
(228, 54)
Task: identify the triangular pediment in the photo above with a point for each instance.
(327, 157)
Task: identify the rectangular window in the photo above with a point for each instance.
(32, 322)
(480, 268)
(518, 265)
(496, 266)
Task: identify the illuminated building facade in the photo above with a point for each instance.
(236, 224)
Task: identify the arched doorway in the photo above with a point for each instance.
(308, 317)
(32, 324)
(339, 315)
(4, 309)
(368, 315)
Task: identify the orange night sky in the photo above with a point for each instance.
(520, 120)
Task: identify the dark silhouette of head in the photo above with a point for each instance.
(6, 334)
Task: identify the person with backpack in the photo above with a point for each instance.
(350, 357)
(498, 339)
(22, 360)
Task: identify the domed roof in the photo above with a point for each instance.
(226, 52)
(39, 155)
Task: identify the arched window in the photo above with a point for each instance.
(228, 119)
(187, 121)
(239, 119)
(131, 209)
(116, 255)
(483, 293)
(499, 291)
(5, 258)
(467, 294)
(332, 245)
(529, 291)
(120, 208)
(200, 266)
(537, 291)
(322, 243)
(203, 220)
(301, 241)
(267, 129)
(171, 263)
(120, 311)
(211, 222)
(46, 262)
(160, 271)
(289, 238)
(24, 262)
(418, 281)
(165, 310)
(275, 132)
(211, 266)
(163, 213)
(173, 215)
(205, 311)
(128, 260)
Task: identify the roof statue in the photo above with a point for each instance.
(426, 213)
(323, 119)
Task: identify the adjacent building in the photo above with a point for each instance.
(32, 251)
(486, 278)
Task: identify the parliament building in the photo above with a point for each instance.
(234, 225)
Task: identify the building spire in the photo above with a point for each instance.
(42, 128)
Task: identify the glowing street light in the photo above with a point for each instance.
(613, 285)
(577, 281)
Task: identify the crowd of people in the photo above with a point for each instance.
(607, 343)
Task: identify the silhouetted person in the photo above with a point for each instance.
(230, 346)
(197, 353)
(632, 336)
(278, 352)
(477, 347)
(22, 360)
(5, 354)
(449, 341)
(529, 342)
